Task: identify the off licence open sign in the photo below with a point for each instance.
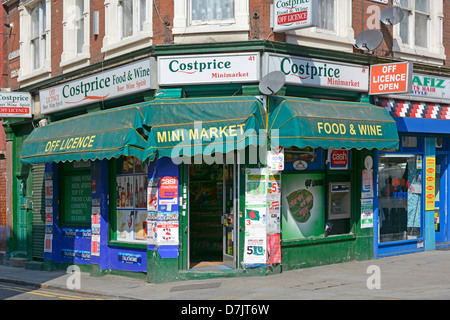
(390, 78)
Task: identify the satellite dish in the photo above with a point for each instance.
(392, 15)
(272, 82)
(369, 40)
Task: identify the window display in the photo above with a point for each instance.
(131, 198)
(400, 190)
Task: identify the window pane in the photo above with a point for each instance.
(35, 53)
(421, 30)
(423, 6)
(404, 4)
(404, 29)
(143, 11)
(212, 9)
(400, 187)
(326, 14)
(79, 25)
(127, 17)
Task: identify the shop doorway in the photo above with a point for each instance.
(213, 202)
(440, 212)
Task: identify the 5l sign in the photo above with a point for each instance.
(294, 14)
(391, 78)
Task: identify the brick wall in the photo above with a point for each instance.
(365, 16)
(163, 12)
(11, 44)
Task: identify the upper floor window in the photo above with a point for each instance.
(420, 34)
(195, 20)
(35, 39)
(212, 11)
(38, 36)
(414, 27)
(326, 14)
(128, 25)
(333, 30)
(75, 32)
(132, 15)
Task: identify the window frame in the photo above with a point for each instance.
(114, 43)
(342, 38)
(434, 52)
(227, 30)
(70, 56)
(27, 70)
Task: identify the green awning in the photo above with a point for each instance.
(191, 126)
(323, 123)
(97, 135)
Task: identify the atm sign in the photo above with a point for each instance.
(339, 159)
(168, 187)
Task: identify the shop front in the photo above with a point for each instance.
(413, 181)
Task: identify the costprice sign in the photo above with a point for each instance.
(15, 105)
(390, 78)
(294, 14)
(225, 68)
(123, 80)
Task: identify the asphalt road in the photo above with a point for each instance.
(10, 291)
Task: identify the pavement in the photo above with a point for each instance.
(423, 275)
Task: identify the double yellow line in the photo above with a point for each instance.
(44, 293)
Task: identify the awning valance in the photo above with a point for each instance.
(104, 134)
(323, 123)
(191, 126)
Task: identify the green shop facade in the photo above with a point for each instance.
(185, 169)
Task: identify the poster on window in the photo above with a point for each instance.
(125, 225)
(167, 232)
(48, 239)
(152, 194)
(302, 205)
(140, 225)
(125, 191)
(273, 217)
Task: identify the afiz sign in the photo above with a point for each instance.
(126, 79)
(294, 14)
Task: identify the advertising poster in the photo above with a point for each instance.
(430, 183)
(273, 248)
(255, 215)
(140, 225)
(273, 217)
(125, 225)
(255, 186)
(255, 246)
(366, 213)
(302, 210)
(152, 231)
(152, 194)
(167, 232)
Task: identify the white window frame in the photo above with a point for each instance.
(435, 51)
(70, 55)
(114, 42)
(27, 70)
(185, 30)
(342, 38)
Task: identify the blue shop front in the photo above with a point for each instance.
(413, 197)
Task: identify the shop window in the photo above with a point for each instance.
(76, 192)
(400, 201)
(131, 200)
